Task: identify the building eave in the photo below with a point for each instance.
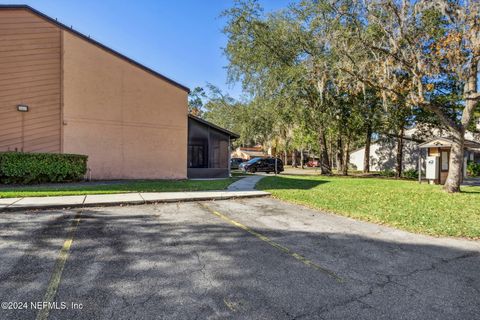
(232, 135)
(447, 143)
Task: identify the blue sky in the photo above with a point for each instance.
(180, 39)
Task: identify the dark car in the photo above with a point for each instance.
(262, 165)
(235, 163)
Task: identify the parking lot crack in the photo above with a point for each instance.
(358, 298)
(433, 266)
(202, 270)
(331, 307)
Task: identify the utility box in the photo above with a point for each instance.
(432, 172)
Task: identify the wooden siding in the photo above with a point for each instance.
(30, 73)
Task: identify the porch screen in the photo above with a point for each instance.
(218, 150)
(197, 145)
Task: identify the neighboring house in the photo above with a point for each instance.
(249, 153)
(383, 151)
(62, 92)
(438, 157)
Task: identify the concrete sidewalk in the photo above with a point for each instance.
(245, 184)
(28, 203)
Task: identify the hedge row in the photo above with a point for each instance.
(30, 168)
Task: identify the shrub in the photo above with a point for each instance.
(387, 173)
(473, 169)
(410, 174)
(29, 168)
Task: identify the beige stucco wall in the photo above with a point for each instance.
(30, 75)
(129, 122)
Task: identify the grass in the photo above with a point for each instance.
(407, 205)
(110, 188)
(239, 173)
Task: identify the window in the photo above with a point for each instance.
(444, 160)
(197, 156)
(251, 161)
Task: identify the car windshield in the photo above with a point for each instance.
(253, 160)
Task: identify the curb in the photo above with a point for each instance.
(128, 203)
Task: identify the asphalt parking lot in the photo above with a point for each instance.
(241, 259)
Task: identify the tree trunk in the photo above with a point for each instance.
(339, 155)
(332, 154)
(325, 167)
(301, 158)
(294, 158)
(366, 159)
(399, 165)
(455, 166)
(346, 159)
(455, 172)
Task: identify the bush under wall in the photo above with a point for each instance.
(30, 168)
(473, 169)
(387, 173)
(410, 174)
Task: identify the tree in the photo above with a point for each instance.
(405, 48)
(276, 59)
(337, 58)
(253, 120)
(195, 101)
(372, 112)
(397, 119)
(304, 136)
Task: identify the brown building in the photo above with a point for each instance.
(248, 153)
(61, 91)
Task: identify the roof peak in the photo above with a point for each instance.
(94, 42)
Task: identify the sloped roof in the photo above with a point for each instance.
(205, 122)
(254, 153)
(250, 148)
(96, 43)
(444, 142)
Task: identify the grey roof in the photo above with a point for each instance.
(96, 43)
(445, 142)
(205, 122)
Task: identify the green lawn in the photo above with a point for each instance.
(123, 187)
(239, 173)
(407, 205)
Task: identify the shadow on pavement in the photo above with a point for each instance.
(128, 266)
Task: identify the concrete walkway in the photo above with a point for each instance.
(243, 188)
(471, 182)
(245, 184)
(28, 203)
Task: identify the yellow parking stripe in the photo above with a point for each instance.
(58, 269)
(274, 244)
